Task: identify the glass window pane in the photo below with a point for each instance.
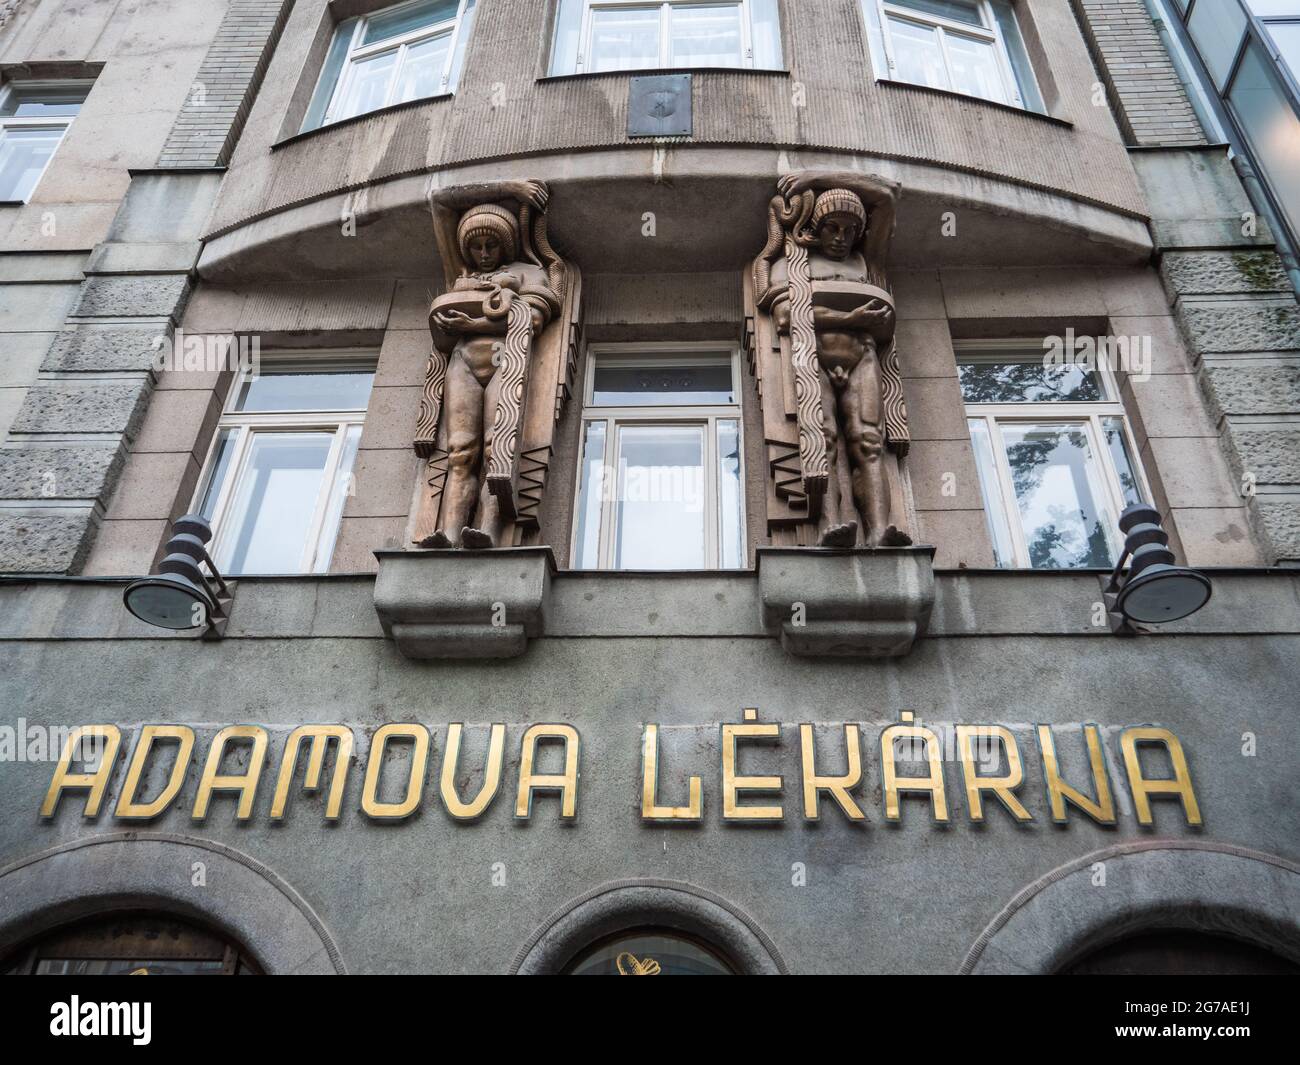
(975, 68)
(591, 494)
(620, 384)
(36, 101)
(23, 155)
(218, 468)
(1217, 28)
(649, 954)
(294, 388)
(268, 523)
(917, 54)
(407, 17)
(765, 34)
(344, 487)
(1004, 552)
(624, 39)
(1060, 496)
(367, 88)
(1265, 8)
(462, 40)
(967, 11)
(422, 69)
(329, 74)
(1272, 128)
(660, 504)
(705, 35)
(568, 33)
(1117, 444)
(731, 534)
(1028, 382)
(1030, 97)
(1286, 37)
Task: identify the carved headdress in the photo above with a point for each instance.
(488, 218)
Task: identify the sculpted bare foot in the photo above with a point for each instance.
(891, 536)
(845, 535)
(475, 539)
(438, 539)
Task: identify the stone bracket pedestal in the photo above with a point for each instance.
(464, 604)
(861, 603)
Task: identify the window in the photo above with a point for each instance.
(1271, 126)
(33, 119)
(1217, 28)
(592, 36)
(131, 944)
(405, 52)
(1055, 457)
(967, 46)
(652, 952)
(281, 465)
(661, 480)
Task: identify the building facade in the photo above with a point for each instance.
(668, 459)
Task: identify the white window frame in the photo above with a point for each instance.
(60, 123)
(248, 424)
(665, 38)
(990, 33)
(401, 44)
(1091, 413)
(664, 353)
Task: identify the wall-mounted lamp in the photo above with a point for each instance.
(1155, 590)
(180, 595)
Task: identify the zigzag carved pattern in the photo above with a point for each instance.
(435, 478)
(534, 464)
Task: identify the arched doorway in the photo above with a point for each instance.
(650, 952)
(1179, 952)
(131, 943)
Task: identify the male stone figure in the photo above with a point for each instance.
(822, 279)
(507, 287)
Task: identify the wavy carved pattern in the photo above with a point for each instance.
(891, 392)
(508, 421)
(807, 380)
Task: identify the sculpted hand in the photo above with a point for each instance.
(533, 193)
(451, 321)
(790, 185)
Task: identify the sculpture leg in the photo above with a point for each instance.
(463, 409)
(836, 532)
(487, 530)
(864, 438)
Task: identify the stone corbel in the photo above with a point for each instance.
(859, 603)
(464, 604)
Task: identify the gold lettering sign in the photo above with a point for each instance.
(245, 783)
(837, 787)
(476, 807)
(94, 749)
(565, 783)
(733, 785)
(931, 783)
(319, 737)
(395, 811)
(1143, 788)
(1059, 793)
(127, 807)
(650, 808)
(95, 782)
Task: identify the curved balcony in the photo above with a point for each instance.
(1024, 187)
